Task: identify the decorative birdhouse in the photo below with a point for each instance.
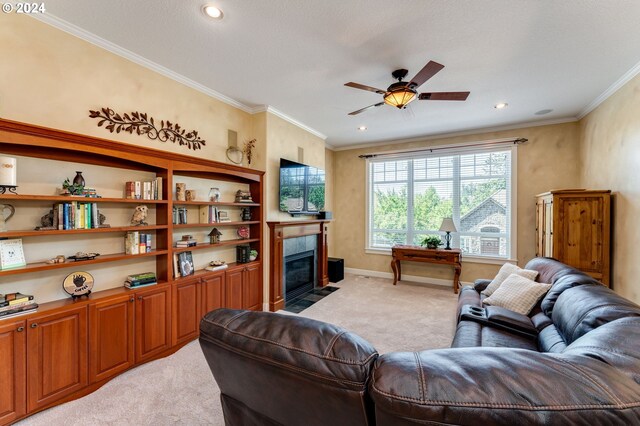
(214, 236)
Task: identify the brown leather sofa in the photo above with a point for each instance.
(574, 360)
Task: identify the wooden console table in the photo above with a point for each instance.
(451, 257)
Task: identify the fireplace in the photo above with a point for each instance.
(291, 238)
(299, 274)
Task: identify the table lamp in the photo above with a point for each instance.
(448, 226)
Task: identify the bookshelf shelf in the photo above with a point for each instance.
(104, 258)
(32, 233)
(201, 246)
(69, 199)
(215, 224)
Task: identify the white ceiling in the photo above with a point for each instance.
(295, 56)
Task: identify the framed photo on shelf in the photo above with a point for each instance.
(223, 216)
(185, 264)
(11, 254)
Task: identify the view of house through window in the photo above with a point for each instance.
(409, 197)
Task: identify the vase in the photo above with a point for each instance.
(78, 180)
(214, 194)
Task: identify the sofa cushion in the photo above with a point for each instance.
(518, 294)
(505, 271)
(470, 334)
(549, 340)
(584, 308)
(549, 270)
(563, 282)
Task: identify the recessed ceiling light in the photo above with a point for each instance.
(501, 105)
(212, 11)
(362, 128)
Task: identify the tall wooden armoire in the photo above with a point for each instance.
(574, 227)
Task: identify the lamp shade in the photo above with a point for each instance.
(399, 95)
(448, 225)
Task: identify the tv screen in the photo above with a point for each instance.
(301, 188)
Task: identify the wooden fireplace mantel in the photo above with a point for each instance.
(282, 230)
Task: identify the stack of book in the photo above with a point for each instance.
(187, 243)
(76, 215)
(137, 243)
(14, 304)
(141, 280)
(137, 190)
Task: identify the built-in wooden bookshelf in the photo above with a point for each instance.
(128, 327)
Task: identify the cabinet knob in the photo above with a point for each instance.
(34, 325)
(139, 297)
(133, 299)
(20, 329)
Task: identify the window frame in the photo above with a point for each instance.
(443, 151)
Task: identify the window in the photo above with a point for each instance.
(409, 196)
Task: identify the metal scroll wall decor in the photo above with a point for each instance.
(139, 123)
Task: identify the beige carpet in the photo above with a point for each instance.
(180, 389)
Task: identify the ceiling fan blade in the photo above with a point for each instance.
(363, 87)
(366, 108)
(444, 96)
(426, 73)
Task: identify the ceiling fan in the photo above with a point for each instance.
(401, 93)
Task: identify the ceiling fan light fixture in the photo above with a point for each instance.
(400, 95)
(501, 105)
(212, 11)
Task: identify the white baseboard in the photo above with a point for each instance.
(412, 278)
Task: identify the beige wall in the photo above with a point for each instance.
(53, 79)
(549, 160)
(610, 155)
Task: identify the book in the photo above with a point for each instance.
(12, 314)
(129, 285)
(20, 310)
(11, 254)
(159, 188)
(141, 276)
(17, 305)
(11, 299)
(216, 268)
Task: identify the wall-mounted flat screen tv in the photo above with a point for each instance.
(301, 188)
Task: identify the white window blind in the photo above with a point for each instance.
(409, 197)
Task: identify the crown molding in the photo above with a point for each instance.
(135, 58)
(626, 77)
(288, 118)
(469, 132)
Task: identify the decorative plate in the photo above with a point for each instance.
(243, 232)
(83, 256)
(78, 284)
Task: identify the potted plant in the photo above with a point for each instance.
(253, 255)
(431, 241)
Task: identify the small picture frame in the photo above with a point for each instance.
(185, 264)
(11, 254)
(223, 216)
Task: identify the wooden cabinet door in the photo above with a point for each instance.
(252, 287)
(233, 289)
(111, 337)
(548, 229)
(186, 311)
(13, 371)
(153, 323)
(212, 293)
(581, 233)
(56, 356)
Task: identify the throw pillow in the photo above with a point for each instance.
(518, 294)
(504, 272)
